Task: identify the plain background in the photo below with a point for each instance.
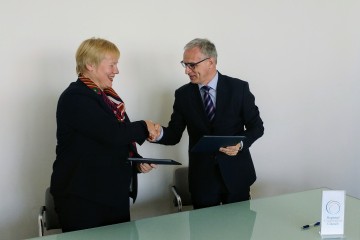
(300, 57)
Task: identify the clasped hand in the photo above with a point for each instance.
(154, 130)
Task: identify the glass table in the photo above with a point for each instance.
(279, 217)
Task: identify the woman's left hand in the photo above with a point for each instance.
(145, 167)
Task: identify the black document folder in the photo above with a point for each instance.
(213, 143)
(155, 161)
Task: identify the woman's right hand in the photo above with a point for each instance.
(153, 129)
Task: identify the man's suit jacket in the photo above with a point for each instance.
(92, 148)
(236, 114)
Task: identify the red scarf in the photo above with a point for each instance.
(110, 97)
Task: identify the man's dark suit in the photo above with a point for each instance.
(236, 114)
(92, 150)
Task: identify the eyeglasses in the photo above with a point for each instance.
(192, 66)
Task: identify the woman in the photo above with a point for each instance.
(92, 179)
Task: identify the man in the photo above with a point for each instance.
(224, 176)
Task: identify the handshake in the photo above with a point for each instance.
(154, 130)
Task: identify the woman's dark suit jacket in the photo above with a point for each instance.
(92, 149)
(236, 114)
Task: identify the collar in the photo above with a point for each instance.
(212, 83)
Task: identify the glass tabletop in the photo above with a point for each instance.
(278, 217)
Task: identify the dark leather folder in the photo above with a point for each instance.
(155, 161)
(213, 143)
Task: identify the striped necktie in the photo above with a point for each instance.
(208, 103)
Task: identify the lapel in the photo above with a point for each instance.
(95, 95)
(221, 98)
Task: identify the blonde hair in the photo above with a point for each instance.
(93, 51)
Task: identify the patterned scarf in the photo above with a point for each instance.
(109, 96)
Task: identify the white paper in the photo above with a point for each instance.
(332, 213)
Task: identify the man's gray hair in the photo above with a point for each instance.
(206, 47)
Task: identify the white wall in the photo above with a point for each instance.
(301, 59)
